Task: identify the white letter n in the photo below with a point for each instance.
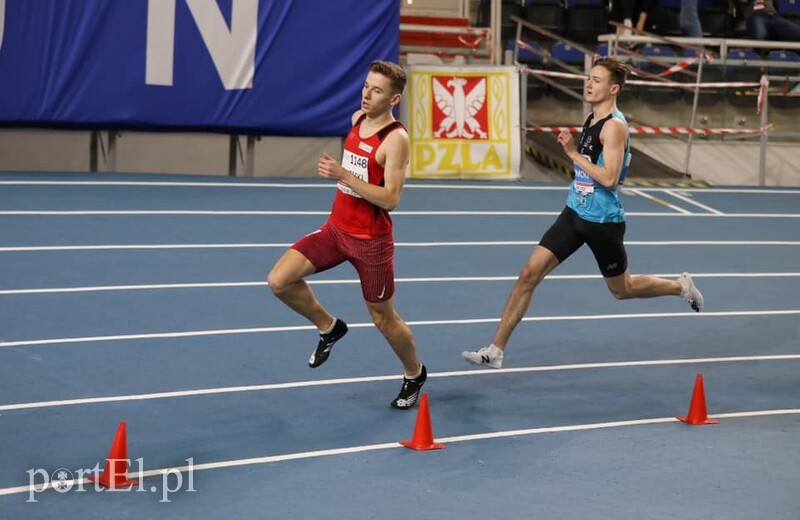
(2, 20)
(233, 51)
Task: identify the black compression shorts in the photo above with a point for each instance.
(569, 232)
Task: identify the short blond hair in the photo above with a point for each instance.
(619, 71)
(393, 71)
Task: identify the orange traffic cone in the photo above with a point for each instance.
(423, 431)
(115, 473)
(697, 409)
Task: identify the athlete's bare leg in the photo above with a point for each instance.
(626, 286)
(286, 282)
(539, 265)
(397, 333)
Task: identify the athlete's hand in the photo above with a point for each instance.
(567, 143)
(330, 169)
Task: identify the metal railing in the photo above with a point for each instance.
(619, 44)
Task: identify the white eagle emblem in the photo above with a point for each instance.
(459, 108)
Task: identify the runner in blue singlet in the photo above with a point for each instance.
(593, 215)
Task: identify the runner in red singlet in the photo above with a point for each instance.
(359, 229)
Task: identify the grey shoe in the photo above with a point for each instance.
(490, 356)
(690, 293)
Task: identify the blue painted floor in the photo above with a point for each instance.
(190, 348)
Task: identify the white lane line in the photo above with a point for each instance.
(686, 199)
(257, 330)
(752, 191)
(271, 459)
(162, 212)
(442, 279)
(147, 287)
(412, 185)
(446, 213)
(660, 201)
(121, 247)
(374, 379)
(401, 213)
(314, 185)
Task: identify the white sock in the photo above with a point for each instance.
(495, 350)
(419, 373)
(329, 329)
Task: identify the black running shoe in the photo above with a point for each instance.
(326, 342)
(409, 394)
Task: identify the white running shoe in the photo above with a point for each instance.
(690, 293)
(491, 356)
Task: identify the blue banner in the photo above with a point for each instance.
(269, 67)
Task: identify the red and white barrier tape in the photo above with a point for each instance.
(481, 34)
(582, 77)
(763, 84)
(474, 43)
(679, 67)
(654, 130)
(692, 85)
(673, 69)
(553, 74)
(684, 64)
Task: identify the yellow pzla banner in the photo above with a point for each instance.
(463, 122)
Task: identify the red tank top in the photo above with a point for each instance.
(350, 212)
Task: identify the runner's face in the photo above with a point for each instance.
(598, 86)
(376, 95)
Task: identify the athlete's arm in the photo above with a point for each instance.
(394, 152)
(613, 136)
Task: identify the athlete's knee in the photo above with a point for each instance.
(278, 283)
(384, 321)
(530, 276)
